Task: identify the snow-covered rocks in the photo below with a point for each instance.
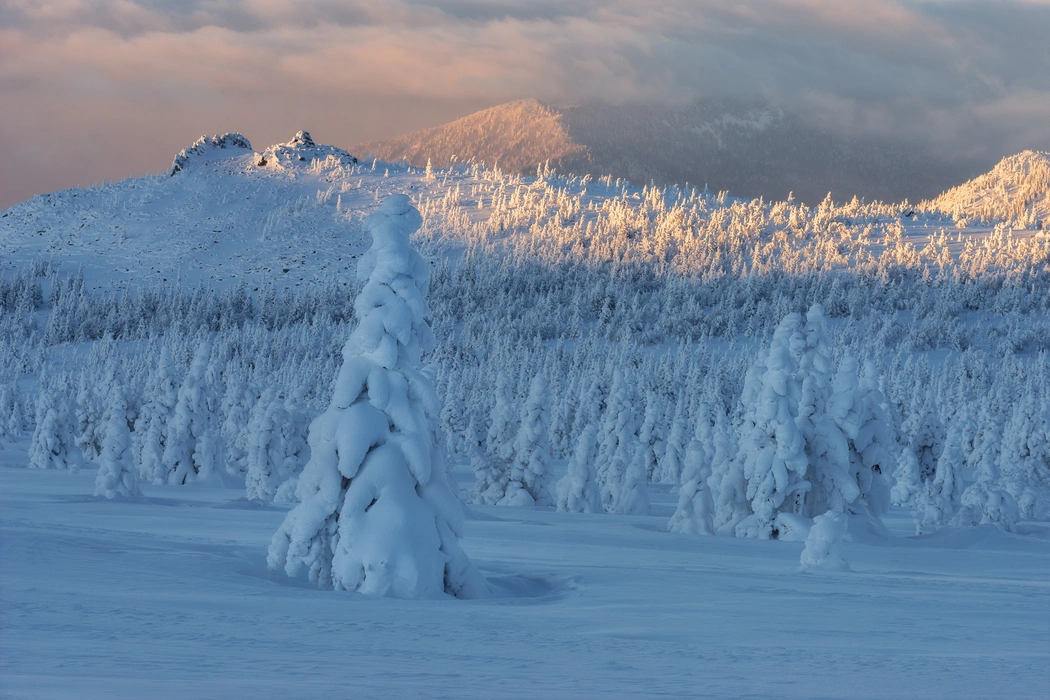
(208, 148)
(300, 152)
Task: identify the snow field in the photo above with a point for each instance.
(172, 598)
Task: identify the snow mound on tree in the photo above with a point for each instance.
(301, 151)
(207, 148)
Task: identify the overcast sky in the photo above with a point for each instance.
(93, 89)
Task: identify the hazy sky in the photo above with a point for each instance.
(93, 89)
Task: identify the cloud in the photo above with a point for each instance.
(961, 74)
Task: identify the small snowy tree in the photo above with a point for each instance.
(53, 445)
(151, 425)
(117, 477)
(577, 490)
(677, 440)
(918, 461)
(938, 500)
(1024, 462)
(652, 436)
(621, 465)
(377, 513)
(272, 453)
(695, 512)
(529, 482)
(492, 470)
(823, 551)
(192, 448)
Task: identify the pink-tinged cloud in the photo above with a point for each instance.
(115, 87)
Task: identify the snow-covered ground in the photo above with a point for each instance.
(171, 599)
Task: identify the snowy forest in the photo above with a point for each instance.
(572, 344)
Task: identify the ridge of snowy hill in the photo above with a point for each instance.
(748, 148)
(290, 213)
(1016, 190)
(224, 214)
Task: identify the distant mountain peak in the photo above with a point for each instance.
(516, 136)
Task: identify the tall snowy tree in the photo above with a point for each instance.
(772, 448)
(377, 513)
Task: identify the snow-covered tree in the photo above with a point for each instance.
(823, 550)
(577, 490)
(939, 497)
(89, 419)
(859, 409)
(492, 470)
(151, 425)
(772, 449)
(529, 478)
(671, 460)
(54, 444)
(191, 444)
(918, 461)
(695, 512)
(832, 486)
(377, 513)
(652, 436)
(272, 453)
(117, 477)
(238, 403)
(621, 464)
(1024, 461)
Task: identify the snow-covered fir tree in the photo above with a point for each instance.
(529, 477)
(54, 443)
(377, 513)
(696, 509)
(652, 436)
(151, 425)
(621, 465)
(492, 470)
(117, 476)
(578, 490)
(190, 442)
(772, 453)
(271, 459)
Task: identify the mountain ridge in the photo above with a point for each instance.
(749, 148)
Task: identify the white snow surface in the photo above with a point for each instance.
(171, 598)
